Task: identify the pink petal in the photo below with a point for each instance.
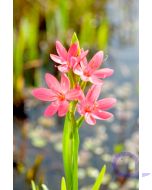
(44, 94)
(65, 83)
(102, 115)
(52, 83)
(83, 59)
(84, 63)
(61, 50)
(90, 119)
(103, 73)
(56, 58)
(51, 109)
(93, 93)
(73, 62)
(80, 109)
(106, 103)
(84, 78)
(77, 69)
(93, 79)
(83, 54)
(63, 68)
(75, 94)
(96, 61)
(63, 108)
(73, 50)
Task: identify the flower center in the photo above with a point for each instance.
(87, 73)
(61, 97)
(88, 108)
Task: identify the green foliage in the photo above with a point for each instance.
(36, 187)
(103, 35)
(44, 187)
(19, 47)
(99, 179)
(88, 30)
(38, 24)
(33, 35)
(63, 184)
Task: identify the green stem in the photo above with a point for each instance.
(80, 121)
(67, 150)
(83, 85)
(71, 141)
(75, 157)
(71, 147)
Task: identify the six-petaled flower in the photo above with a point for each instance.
(58, 93)
(93, 109)
(90, 71)
(67, 59)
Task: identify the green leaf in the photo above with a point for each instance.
(88, 29)
(33, 185)
(99, 179)
(63, 184)
(44, 187)
(62, 19)
(103, 35)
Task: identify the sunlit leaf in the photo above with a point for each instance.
(99, 179)
(44, 187)
(33, 185)
(103, 35)
(63, 184)
(88, 29)
(61, 18)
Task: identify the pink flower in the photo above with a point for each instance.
(67, 59)
(89, 72)
(58, 93)
(92, 109)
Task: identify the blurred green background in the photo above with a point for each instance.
(109, 25)
(37, 25)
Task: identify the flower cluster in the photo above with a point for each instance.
(76, 73)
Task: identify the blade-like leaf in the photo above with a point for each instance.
(63, 184)
(103, 35)
(33, 185)
(44, 187)
(99, 179)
